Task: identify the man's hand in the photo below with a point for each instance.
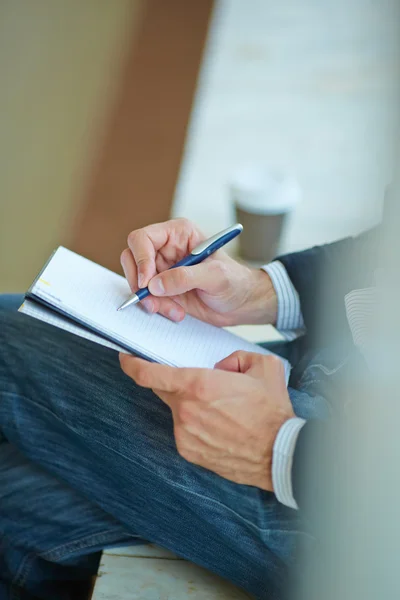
(220, 290)
(225, 419)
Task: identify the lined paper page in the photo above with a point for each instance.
(90, 293)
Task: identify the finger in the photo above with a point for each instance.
(176, 237)
(150, 375)
(162, 263)
(242, 362)
(272, 366)
(150, 304)
(209, 276)
(129, 267)
(164, 306)
(169, 308)
(159, 377)
(144, 254)
(264, 365)
(183, 236)
(238, 362)
(169, 380)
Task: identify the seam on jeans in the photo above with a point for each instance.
(324, 369)
(330, 371)
(170, 482)
(58, 552)
(71, 547)
(306, 384)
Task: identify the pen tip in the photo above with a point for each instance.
(132, 300)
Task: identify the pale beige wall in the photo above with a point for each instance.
(60, 62)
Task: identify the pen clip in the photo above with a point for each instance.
(238, 228)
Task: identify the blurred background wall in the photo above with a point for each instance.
(312, 87)
(59, 62)
(133, 178)
(96, 98)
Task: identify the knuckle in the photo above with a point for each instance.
(273, 362)
(132, 237)
(183, 222)
(140, 260)
(260, 358)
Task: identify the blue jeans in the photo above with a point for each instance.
(88, 461)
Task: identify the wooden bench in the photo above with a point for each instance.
(147, 572)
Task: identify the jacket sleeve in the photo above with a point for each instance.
(311, 468)
(323, 275)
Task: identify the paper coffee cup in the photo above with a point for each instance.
(262, 198)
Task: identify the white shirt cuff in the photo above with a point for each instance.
(282, 460)
(289, 318)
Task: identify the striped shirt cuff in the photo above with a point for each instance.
(282, 460)
(289, 316)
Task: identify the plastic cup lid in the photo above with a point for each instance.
(264, 191)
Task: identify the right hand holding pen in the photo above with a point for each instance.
(220, 290)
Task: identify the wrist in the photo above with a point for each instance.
(261, 303)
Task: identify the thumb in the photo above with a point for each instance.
(265, 366)
(251, 363)
(207, 276)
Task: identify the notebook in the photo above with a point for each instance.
(80, 296)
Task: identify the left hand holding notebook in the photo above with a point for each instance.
(227, 419)
(220, 290)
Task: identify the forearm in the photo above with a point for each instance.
(260, 306)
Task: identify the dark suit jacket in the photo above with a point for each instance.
(322, 277)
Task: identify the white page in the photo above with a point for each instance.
(90, 293)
